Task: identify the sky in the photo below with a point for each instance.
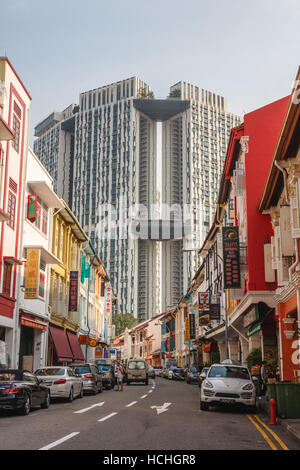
(247, 51)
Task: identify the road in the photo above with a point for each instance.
(164, 415)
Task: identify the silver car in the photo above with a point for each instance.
(227, 384)
(61, 381)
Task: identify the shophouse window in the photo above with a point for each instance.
(7, 279)
(11, 210)
(42, 285)
(37, 222)
(16, 129)
(45, 222)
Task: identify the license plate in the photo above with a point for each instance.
(227, 400)
(136, 376)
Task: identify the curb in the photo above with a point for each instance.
(290, 429)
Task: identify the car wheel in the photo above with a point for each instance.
(71, 395)
(46, 403)
(81, 393)
(26, 406)
(203, 406)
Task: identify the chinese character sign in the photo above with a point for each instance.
(32, 273)
(231, 257)
(73, 291)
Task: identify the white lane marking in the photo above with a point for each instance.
(107, 417)
(150, 391)
(59, 441)
(131, 404)
(90, 407)
(144, 396)
(162, 408)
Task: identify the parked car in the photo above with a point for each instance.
(192, 375)
(228, 384)
(202, 375)
(151, 372)
(137, 371)
(178, 374)
(157, 370)
(107, 374)
(91, 377)
(62, 382)
(170, 373)
(21, 390)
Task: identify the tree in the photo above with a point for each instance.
(175, 93)
(123, 321)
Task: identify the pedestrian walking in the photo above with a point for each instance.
(120, 375)
(263, 378)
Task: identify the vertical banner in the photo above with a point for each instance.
(231, 258)
(192, 326)
(32, 273)
(214, 312)
(73, 291)
(203, 300)
(186, 330)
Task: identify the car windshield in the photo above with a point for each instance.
(178, 371)
(103, 368)
(136, 365)
(82, 369)
(194, 369)
(55, 371)
(6, 375)
(229, 372)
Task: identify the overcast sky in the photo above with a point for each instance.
(247, 51)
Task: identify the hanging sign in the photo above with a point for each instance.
(231, 257)
(73, 291)
(186, 330)
(192, 326)
(84, 339)
(32, 273)
(203, 300)
(214, 312)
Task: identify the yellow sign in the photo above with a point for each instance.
(93, 343)
(179, 360)
(32, 273)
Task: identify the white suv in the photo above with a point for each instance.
(227, 384)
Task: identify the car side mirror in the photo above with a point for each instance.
(254, 378)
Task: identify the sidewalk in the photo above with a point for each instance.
(290, 425)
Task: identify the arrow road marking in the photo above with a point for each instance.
(162, 408)
(90, 407)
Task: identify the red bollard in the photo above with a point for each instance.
(272, 411)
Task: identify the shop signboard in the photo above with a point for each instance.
(203, 300)
(32, 273)
(186, 330)
(254, 329)
(231, 257)
(214, 312)
(251, 317)
(73, 291)
(204, 317)
(84, 339)
(192, 326)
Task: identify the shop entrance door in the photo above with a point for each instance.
(26, 348)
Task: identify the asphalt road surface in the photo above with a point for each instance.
(163, 415)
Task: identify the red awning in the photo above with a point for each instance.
(75, 346)
(61, 344)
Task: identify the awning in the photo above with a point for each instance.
(4, 216)
(6, 133)
(75, 346)
(61, 343)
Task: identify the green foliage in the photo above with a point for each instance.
(254, 358)
(143, 94)
(175, 93)
(123, 321)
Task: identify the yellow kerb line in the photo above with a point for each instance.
(263, 433)
(273, 433)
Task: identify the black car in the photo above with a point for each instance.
(178, 374)
(107, 373)
(21, 390)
